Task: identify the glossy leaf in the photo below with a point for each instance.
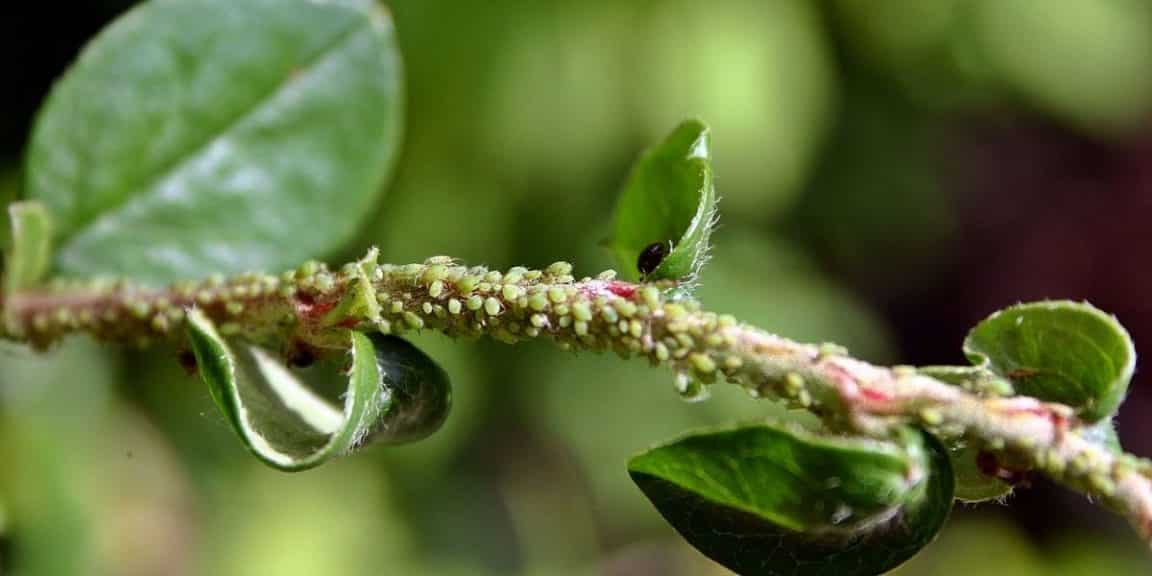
(765, 500)
(213, 136)
(1059, 351)
(394, 394)
(31, 248)
(669, 198)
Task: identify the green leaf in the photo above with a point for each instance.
(214, 136)
(394, 394)
(669, 198)
(1058, 351)
(31, 249)
(765, 500)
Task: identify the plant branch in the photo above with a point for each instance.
(309, 306)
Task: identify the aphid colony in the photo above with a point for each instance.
(307, 304)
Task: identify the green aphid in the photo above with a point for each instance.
(466, 285)
(492, 306)
(625, 308)
(511, 292)
(413, 321)
(557, 295)
(160, 323)
(309, 268)
(609, 314)
(559, 268)
(581, 311)
(538, 302)
(435, 273)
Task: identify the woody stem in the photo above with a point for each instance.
(307, 306)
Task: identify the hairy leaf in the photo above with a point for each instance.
(1059, 351)
(665, 214)
(394, 394)
(213, 136)
(766, 500)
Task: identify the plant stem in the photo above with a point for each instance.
(306, 307)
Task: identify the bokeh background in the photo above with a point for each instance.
(891, 172)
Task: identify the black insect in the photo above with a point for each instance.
(301, 355)
(187, 361)
(652, 255)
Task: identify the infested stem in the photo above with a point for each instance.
(310, 306)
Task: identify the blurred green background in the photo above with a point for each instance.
(890, 171)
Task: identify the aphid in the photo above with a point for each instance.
(652, 255)
(301, 355)
(187, 361)
(989, 465)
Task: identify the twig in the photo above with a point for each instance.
(303, 308)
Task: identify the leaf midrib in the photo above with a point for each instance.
(307, 66)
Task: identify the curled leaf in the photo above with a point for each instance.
(765, 500)
(667, 210)
(395, 393)
(1058, 351)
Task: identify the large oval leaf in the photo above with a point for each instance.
(1059, 351)
(766, 500)
(214, 136)
(395, 393)
(665, 214)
